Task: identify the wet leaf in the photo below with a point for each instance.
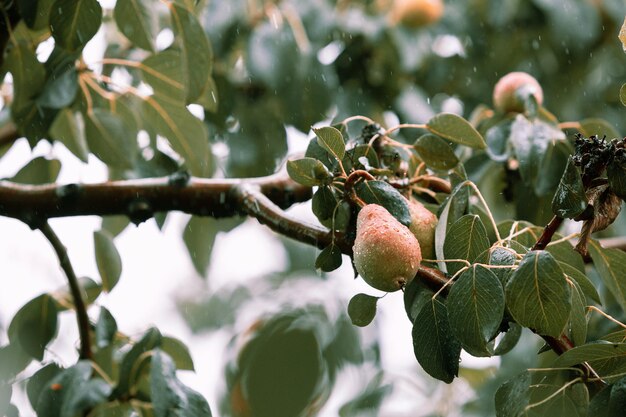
(329, 258)
(107, 136)
(466, 239)
(569, 199)
(434, 344)
(537, 294)
(456, 129)
(331, 140)
(475, 309)
(308, 171)
(106, 328)
(435, 152)
(67, 130)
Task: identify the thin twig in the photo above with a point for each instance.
(548, 232)
(79, 303)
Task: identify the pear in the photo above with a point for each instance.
(386, 254)
(423, 225)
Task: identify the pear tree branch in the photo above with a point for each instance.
(75, 290)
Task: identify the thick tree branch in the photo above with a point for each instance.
(79, 303)
(140, 199)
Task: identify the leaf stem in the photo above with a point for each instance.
(75, 290)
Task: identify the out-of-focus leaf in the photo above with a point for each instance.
(13, 360)
(106, 327)
(195, 49)
(166, 76)
(74, 23)
(186, 133)
(199, 236)
(39, 381)
(34, 325)
(108, 259)
(38, 171)
(67, 130)
(107, 137)
(362, 309)
(137, 20)
(599, 127)
(72, 392)
(179, 353)
(90, 291)
(128, 366)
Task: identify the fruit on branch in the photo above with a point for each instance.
(386, 254)
(423, 225)
(416, 13)
(512, 90)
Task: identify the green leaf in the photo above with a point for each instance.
(40, 381)
(537, 294)
(583, 281)
(107, 137)
(466, 239)
(610, 264)
(150, 340)
(165, 75)
(452, 209)
(331, 140)
(509, 340)
(13, 360)
(186, 133)
(209, 96)
(199, 237)
(323, 203)
(622, 94)
(194, 47)
(72, 392)
(106, 328)
(435, 152)
(362, 309)
(73, 23)
(416, 296)
(599, 127)
(169, 395)
(38, 171)
(90, 291)
(501, 256)
(475, 309)
(525, 396)
(513, 396)
(578, 317)
(34, 325)
(434, 344)
(308, 171)
(456, 129)
(108, 259)
(329, 258)
(66, 129)
(137, 20)
(383, 194)
(114, 224)
(591, 352)
(616, 174)
(569, 200)
(179, 352)
(29, 75)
